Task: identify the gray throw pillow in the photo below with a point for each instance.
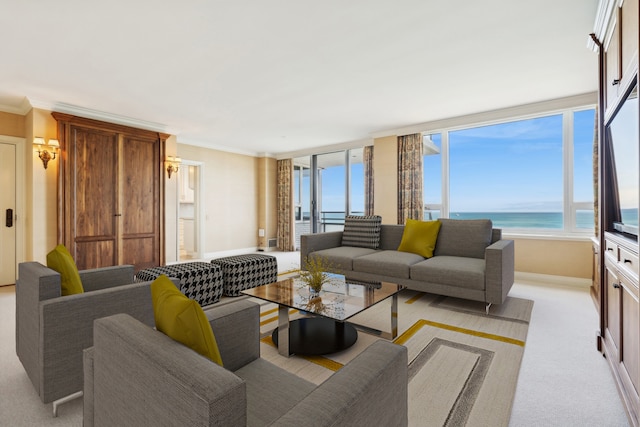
(362, 231)
(464, 237)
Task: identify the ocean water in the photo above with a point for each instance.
(505, 220)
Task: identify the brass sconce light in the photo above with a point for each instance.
(46, 151)
(173, 164)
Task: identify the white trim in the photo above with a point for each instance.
(551, 280)
(232, 252)
(602, 21)
(22, 109)
(21, 208)
(326, 149)
(226, 149)
(496, 116)
(101, 115)
(547, 236)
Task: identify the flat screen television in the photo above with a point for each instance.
(623, 165)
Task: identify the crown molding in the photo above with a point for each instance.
(226, 149)
(326, 149)
(489, 117)
(22, 109)
(602, 26)
(89, 113)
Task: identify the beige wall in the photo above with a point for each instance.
(12, 124)
(42, 183)
(230, 196)
(573, 258)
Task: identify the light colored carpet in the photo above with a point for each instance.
(463, 364)
(563, 380)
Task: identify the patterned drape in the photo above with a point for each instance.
(596, 159)
(367, 158)
(410, 203)
(285, 205)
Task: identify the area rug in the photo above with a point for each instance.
(463, 363)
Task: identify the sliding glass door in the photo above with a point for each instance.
(327, 187)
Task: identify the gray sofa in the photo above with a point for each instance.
(471, 260)
(137, 376)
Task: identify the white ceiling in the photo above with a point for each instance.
(276, 76)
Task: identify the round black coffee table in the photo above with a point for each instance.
(313, 336)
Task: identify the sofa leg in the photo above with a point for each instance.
(487, 308)
(63, 400)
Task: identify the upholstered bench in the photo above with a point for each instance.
(242, 272)
(200, 281)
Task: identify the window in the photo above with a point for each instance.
(531, 175)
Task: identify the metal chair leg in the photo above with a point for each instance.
(63, 400)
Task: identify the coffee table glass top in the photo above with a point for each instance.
(339, 299)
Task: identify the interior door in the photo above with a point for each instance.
(8, 208)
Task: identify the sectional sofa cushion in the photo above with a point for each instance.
(387, 263)
(450, 270)
(464, 238)
(362, 231)
(341, 258)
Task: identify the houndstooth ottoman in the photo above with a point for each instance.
(200, 281)
(247, 271)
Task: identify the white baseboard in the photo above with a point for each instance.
(552, 280)
(220, 254)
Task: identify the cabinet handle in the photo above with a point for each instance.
(610, 249)
(615, 82)
(616, 285)
(627, 261)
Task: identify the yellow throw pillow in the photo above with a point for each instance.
(419, 237)
(60, 260)
(182, 319)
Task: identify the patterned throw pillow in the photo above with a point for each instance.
(362, 231)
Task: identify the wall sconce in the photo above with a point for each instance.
(46, 151)
(173, 164)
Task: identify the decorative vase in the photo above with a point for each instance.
(314, 291)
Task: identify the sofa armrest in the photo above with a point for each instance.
(87, 389)
(236, 326)
(499, 270)
(66, 329)
(372, 389)
(143, 377)
(315, 242)
(106, 277)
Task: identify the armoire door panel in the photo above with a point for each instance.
(140, 251)
(94, 188)
(95, 253)
(140, 192)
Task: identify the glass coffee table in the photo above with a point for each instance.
(325, 330)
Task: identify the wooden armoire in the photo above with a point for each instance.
(110, 193)
(616, 273)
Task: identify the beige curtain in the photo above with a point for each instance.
(285, 206)
(410, 203)
(367, 158)
(596, 159)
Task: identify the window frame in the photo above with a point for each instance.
(569, 205)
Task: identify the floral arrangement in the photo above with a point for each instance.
(314, 273)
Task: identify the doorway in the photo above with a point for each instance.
(189, 211)
(11, 207)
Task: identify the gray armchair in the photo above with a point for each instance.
(135, 375)
(53, 330)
